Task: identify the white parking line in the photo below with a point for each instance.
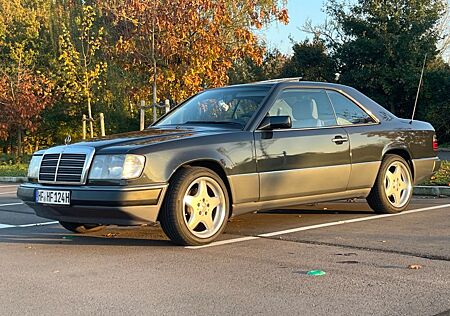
(10, 192)
(36, 224)
(26, 225)
(224, 242)
(299, 229)
(5, 226)
(11, 204)
(9, 186)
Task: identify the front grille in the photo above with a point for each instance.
(62, 167)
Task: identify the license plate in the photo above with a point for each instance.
(53, 197)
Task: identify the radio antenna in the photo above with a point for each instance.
(418, 89)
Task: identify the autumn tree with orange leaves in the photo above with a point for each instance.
(24, 91)
(22, 98)
(196, 41)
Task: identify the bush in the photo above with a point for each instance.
(8, 159)
(13, 170)
(442, 177)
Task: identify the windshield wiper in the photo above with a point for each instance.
(215, 122)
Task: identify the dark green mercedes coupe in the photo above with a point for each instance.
(234, 150)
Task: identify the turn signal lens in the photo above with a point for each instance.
(33, 167)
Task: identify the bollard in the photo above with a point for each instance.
(84, 126)
(102, 124)
(142, 116)
(167, 104)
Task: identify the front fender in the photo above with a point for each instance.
(233, 152)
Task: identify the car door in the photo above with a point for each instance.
(312, 157)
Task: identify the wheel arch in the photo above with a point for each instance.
(213, 165)
(402, 151)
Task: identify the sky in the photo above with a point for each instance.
(277, 35)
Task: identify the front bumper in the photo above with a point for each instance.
(108, 205)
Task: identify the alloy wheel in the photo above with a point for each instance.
(397, 184)
(204, 207)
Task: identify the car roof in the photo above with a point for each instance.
(290, 81)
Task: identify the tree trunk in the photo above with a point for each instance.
(154, 67)
(19, 142)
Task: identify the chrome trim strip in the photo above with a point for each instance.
(57, 167)
(426, 159)
(300, 169)
(314, 128)
(103, 188)
(367, 162)
(242, 175)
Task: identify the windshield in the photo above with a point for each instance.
(233, 106)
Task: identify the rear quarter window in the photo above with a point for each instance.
(348, 112)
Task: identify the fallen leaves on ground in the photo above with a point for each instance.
(414, 267)
(111, 235)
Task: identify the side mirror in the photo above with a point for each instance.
(276, 122)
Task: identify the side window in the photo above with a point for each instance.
(307, 108)
(347, 112)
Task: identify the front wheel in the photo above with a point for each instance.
(393, 187)
(196, 207)
(81, 228)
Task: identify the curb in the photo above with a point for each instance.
(14, 179)
(431, 190)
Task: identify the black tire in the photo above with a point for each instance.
(82, 228)
(378, 199)
(171, 215)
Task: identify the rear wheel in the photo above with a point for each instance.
(393, 187)
(81, 228)
(196, 207)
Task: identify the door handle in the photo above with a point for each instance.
(339, 140)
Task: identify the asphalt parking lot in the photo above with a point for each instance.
(259, 266)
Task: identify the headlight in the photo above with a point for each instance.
(114, 167)
(33, 167)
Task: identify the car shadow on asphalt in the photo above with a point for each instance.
(152, 236)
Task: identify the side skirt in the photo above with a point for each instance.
(243, 208)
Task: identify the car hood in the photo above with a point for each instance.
(132, 140)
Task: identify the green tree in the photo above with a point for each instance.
(382, 46)
(434, 101)
(310, 61)
(81, 70)
(248, 70)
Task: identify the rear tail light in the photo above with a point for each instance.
(435, 143)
